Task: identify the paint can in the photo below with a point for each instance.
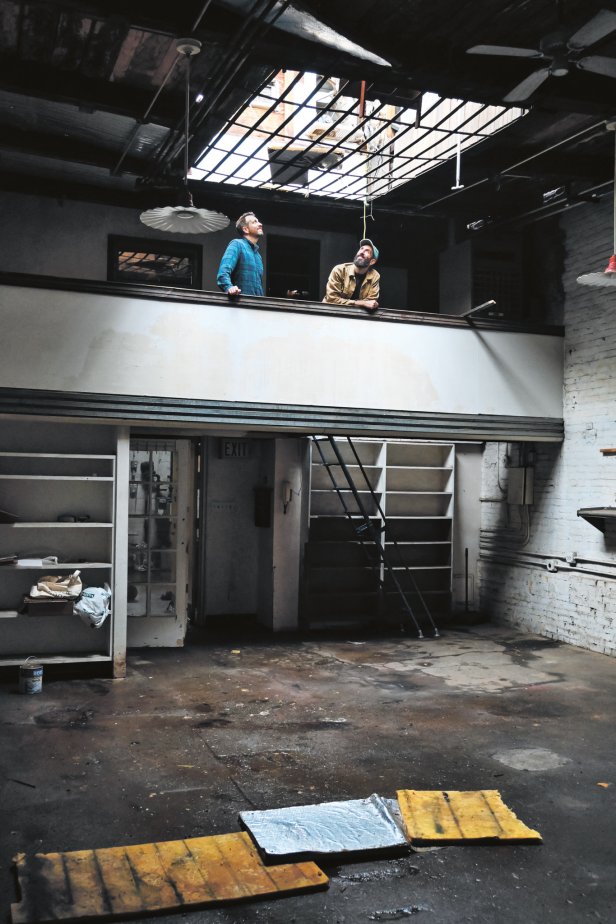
(30, 676)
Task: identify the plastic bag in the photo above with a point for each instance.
(63, 587)
(93, 606)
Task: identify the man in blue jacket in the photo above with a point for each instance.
(241, 268)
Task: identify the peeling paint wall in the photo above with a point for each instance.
(231, 537)
(576, 599)
(223, 352)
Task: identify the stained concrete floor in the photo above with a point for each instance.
(194, 736)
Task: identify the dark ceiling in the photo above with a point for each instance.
(92, 99)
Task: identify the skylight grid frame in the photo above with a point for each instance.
(411, 127)
(291, 138)
(316, 141)
(319, 141)
(268, 112)
(353, 152)
(356, 151)
(471, 137)
(431, 145)
(271, 135)
(332, 145)
(337, 178)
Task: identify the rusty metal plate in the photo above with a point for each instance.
(163, 876)
(436, 816)
(328, 828)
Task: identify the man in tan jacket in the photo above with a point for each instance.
(356, 283)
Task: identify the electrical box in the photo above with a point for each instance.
(520, 485)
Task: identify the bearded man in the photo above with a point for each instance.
(356, 283)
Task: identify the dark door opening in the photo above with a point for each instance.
(293, 266)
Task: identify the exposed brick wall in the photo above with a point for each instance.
(517, 588)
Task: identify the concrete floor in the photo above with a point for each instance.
(194, 736)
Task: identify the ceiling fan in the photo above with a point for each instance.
(559, 53)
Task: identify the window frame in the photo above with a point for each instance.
(124, 242)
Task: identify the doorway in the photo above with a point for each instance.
(293, 265)
(159, 521)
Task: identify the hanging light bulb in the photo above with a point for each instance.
(606, 279)
(185, 218)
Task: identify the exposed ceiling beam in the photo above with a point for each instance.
(68, 150)
(153, 15)
(89, 95)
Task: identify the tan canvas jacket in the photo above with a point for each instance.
(341, 285)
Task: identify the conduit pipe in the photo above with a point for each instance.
(520, 163)
(508, 557)
(563, 558)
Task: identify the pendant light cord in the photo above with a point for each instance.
(186, 120)
(614, 193)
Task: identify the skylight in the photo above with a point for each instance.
(321, 136)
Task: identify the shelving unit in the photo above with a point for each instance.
(414, 485)
(419, 512)
(38, 488)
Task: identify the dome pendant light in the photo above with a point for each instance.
(606, 279)
(185, 218)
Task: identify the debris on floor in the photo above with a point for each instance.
(170, 875)
(162, 876)
(330, 828)
(434, 816)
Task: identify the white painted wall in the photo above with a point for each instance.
(466, 524)
(231, 537)
(575, 603)
(287, 531)
(117, 345)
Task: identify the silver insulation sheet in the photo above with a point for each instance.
(328, 828)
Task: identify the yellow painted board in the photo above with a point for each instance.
(88, 898)
(182, 871)
(119, 881)
(223, 881)
(154, 888)
(142, 878)
(433, 816)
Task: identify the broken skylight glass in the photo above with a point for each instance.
(323, 136)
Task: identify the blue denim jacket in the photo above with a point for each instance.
(242, 266)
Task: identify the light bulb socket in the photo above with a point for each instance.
(188, 47)
(185, 199)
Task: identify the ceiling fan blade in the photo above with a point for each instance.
(598, 65)
(596, 28)
(527, 87)
(505, 50)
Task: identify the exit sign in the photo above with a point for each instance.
(236, 449)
